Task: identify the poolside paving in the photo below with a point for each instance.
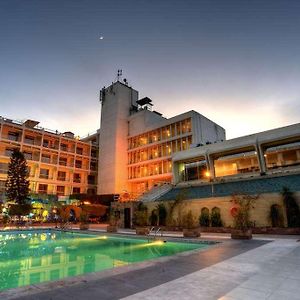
(271, 272)
(267, 267)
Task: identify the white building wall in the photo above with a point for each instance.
(205, 130)
(143, 121)
(112, 170)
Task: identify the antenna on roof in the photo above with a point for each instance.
(119, 74)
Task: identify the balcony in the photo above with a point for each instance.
(61, 178)
(32, 142)
(77, 180)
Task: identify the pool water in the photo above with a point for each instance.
(31, 257)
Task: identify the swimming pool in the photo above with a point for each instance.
(31, 257)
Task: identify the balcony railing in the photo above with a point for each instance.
(42, 191)
(45, 176)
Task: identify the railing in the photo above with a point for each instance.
(156, 232)
(65, 226)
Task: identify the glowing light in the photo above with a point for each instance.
(159, 242)
(104, 237)
(207, 174)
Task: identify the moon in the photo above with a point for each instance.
(101, 38)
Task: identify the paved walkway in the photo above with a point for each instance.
(268, 267)
(271, 272)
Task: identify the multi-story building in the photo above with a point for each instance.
(275, 151)
(136, 143)
(58, 163)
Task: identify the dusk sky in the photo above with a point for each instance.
(235, 62)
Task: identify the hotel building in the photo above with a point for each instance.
(58, 163)
(271, 152)
(137, 143)
(137, 154)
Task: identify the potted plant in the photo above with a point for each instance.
(141, 220)
(190, 226)
(241, 216)
(84, 221)
(113, 221)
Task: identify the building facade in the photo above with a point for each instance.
(275, 151)
(137, 143)
(58, 163)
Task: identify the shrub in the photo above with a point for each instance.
(19, 210)
(153, 218)
(215, 219)
(162, 214)
(141, 216)
(84, 218)
(244, 204)
(189, 221)
(204, 219)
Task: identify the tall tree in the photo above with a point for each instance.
(17, 184)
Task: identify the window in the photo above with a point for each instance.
(60, 190)
(13, 136)
(63, 147)
(3, 168)
(46, 158)
(44, 173)
(77, 178)
(46, 143)
(63, 161)
(61, 176)
(79, 150)
(78, 164)
(76, 190)
(27, 155)
(29, 140)
(91, 179)
(93, 166)
(9, 151)
(43, 188)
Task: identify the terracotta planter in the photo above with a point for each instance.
(239, 234)
(191, 232)
(84, 226)
(112, 228)
(142, 230)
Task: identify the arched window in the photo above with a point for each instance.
(276, 216)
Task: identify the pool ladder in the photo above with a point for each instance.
(65, 226)
(156, 232)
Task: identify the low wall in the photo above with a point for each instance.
(259, 215)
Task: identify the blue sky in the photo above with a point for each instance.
(236, 62)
